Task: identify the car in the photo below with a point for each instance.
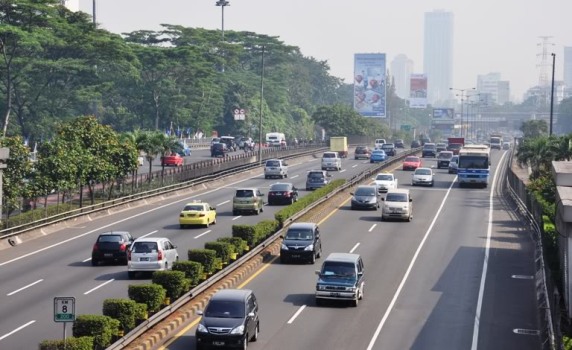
(411, 163)
(275, 168)
(385, 182)
(331, 160)
(422, 176)
(301, 242)
(230, 320)
(317, 179)
(389, 149)
(362, 152)
(229, 142)
(377, 155)
(378, 143)
(506, 145)
(397, 204)
(215, 140)
(247, 200)
(453, 165)
(341, 278)
(441, 146)
(111, 247)
(415, 144)
(197, 213)
(429, 150)
(172, 160)
(150, 254)
(245, 142)
(443, 159)
(282, 193)
(365, 197)
(399, 143)
(219, 150)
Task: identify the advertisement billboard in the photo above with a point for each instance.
(369, 84)
(443, 113)
(418, 91)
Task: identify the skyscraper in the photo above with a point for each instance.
(438, 56)
(568, 69)
(401, 69)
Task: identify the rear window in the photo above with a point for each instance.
(316, 175)
(365, 191)
(445, 155)
(426, 146)
(280, 187)
(272, 163)
(244, 193)
(411, 159)
(110, 238)
(144, 247)
(396, 197)
(329, 155)
(193, 207)
(387, 145)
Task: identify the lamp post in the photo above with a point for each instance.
(222, 4)
(462, 95)
(468, 96)
(261, 100)
(552, 93)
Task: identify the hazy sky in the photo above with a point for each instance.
(490, 35)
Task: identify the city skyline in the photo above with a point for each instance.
(489, 36)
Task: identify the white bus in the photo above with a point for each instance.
(474, 165)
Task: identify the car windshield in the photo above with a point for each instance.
(299, 235)
(365, 191)
(329, 155)
(144, 247)
(338, 269)
(422, 172)
(316, 175)
(445, 155)
(272, 163)
(384, 177)
(280, 187)
(225, 309)
(244, 193)
(193, 207)
(411, 159)
(387, 145)
(396, 197)
(429, 147)
(110, 238)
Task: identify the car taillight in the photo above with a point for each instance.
(95, 247)
(159, 255)
(287, 194)
(123, 247)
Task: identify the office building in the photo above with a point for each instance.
(568, 69)
(438, 56)
(497, 91)
(401, 69)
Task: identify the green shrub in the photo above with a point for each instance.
(152, 295)
(141, 312)
(71, 343)
(223, 250)
(207, 258)
(246, 232)
(174, 282)
(123, 310)
(265, 228)
(101, 328)
(239, 244)
(193, 271)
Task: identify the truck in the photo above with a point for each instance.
(455, 144)
(275, 139)
(339, 144)
(495, 141)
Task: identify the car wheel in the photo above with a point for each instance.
(285, 175)
(265, 176)
(382, 218)
(130, 274)
(214, 221)
(313, 258)
(94, 262)
(255, 335)
(257, 211)
(262, 209)
(319, 252)
(355, 302)
(307, 188)
(319, 302)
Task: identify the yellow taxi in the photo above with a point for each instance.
(197, 213)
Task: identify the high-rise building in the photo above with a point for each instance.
(401, 69)
(568, 69)
(496, 90)
(438, 56)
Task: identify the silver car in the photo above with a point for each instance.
(453, 165)
(275, 168)
(151, 254)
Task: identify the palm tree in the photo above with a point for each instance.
(538, 153)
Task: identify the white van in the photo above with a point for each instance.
(379, 143)
(275, 139)
(331, 160)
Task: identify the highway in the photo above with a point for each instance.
(446, 280)
(58, 264)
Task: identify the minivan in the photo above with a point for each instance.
(247, 200)
(331, 160)
(317, 179)
(397, 204)
(342, 277)
(275, 168)
(301, 242)
(230, 320)
(149, 254)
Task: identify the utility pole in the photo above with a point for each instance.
(552, 94)
(261, 102)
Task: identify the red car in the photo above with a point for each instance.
(411, 163)
(172, 160)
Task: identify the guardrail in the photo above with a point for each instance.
(167, 311)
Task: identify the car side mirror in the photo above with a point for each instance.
(411, 199)
(360, 274)
(199, 312)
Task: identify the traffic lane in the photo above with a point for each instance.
(282, 294)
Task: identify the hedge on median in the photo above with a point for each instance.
(126, 311)
(101, 328)
(151, 294)
(193, 271)
(240, 245)
(174, 282)
(223, 250)
(206, 257)
(71, 343)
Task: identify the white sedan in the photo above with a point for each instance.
(385, 182)
(422, 176)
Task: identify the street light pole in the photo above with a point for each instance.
(462, 101)
(222, 4)
(552, 94)
(261, 100)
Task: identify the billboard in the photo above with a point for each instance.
(443, 114)
(369, 84)
(418, 91)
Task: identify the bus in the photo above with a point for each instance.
(474, 165)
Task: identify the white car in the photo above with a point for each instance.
(151, 254)
(397, 204)
(422, 176)
(385, 182)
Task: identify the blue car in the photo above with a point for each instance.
(377, 155)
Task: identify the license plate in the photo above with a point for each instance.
(334, 294)
(218, 343)
(295, 255)
(143, 259)
(108, 255)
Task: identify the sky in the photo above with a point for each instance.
(489, 35)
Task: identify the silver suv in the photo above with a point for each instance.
(317, 179)
(247, 200)
(397, 204)
(151, 254)
(275, 168)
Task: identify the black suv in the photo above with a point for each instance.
(389, 149)
(302, 242)
(429, 150)
(399, 143)
(415, 144)
(230, 320)
(219, 149)
(111, 246)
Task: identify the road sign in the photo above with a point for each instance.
(239, 114)
(406, 127)
(64, 309)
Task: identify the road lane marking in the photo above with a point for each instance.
(149, 234)
(408, 271)
(21, 289)
(101, 285)
(223, 203)
(295, 176)
(341, 171)
(372, 227)
(86, 260)
(354, 248)
(202, 234)
(296, 314)
(353, 166)
(475, 343)
(237, 217)
(17, 329)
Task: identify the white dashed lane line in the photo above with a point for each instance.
(101, 285)
(354, 248)
(17, 329)
(296, 314)
(372, 227)
(202, 234)
(21, 289)
(218, 205)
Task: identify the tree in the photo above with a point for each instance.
(16, 174)
(538, 153)
(534, 128)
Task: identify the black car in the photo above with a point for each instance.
(415, 144)
(301, 242)
(429, 150)
(399, 143)
(219, 150)
(111, 247)
(230, 320)
(389, 149)
(282, 193)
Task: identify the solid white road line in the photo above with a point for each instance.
(296, 314)
(372, 227)
(475, 344)
(21, 289)
(407, 272)
(202, 234)
(86, 260)
(295, 176)
(341, 171)
(17, 329)
(101, 285)
(353, 166)
(149, 234)
(354, 248)
(218, 205)
(238, 217)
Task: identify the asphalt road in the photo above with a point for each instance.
(58, 264)
(456, 277)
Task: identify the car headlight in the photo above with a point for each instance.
(320, 287)
(238, 330)
(351, 289)
(310, 247)
(202, 329)
(284, 247)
